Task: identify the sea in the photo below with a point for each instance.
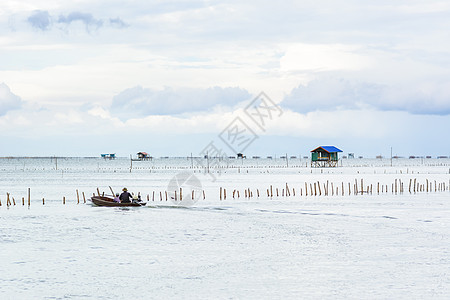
(386, 242)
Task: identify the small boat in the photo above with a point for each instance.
(108, 201)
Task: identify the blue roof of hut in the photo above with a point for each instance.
(329, 149)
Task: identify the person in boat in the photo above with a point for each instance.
(125, 196)
(135, 199)
(116, 198)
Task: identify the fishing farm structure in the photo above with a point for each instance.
(143, 156)
(325, 156)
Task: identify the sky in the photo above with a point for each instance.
(80, 78)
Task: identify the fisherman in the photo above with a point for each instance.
(125, 196)
(116, 198)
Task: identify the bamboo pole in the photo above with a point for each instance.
(362, 187)
(153, 196)
(224, 194)
(23, 201)
(98, 191)
(220, 194)
(84, 198)
(165, 192)
(14, 201)
(43, 201)
(78, 197)
(64, 200)
(415, 185)
(396, 186)
(175, 195)
(204, 195)
(29, 199)
(306, 189)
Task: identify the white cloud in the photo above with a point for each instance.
(140, 102)
(8, 100)
(40, 20)
(325, 57)
(86, 18)
(330, 93)
(118, 23)
(43, 20)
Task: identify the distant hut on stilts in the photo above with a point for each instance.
(325, 156)
(143, 156)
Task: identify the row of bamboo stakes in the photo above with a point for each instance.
(10, 201)
(176, 196)
(9, 198)
(310, 189)
(330, 189)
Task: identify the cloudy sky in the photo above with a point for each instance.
(168, 77)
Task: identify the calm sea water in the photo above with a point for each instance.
(357, 246)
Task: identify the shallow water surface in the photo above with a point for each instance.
(357, 246)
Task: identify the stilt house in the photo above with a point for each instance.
(325, 156)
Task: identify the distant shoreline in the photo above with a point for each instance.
(411, 157)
